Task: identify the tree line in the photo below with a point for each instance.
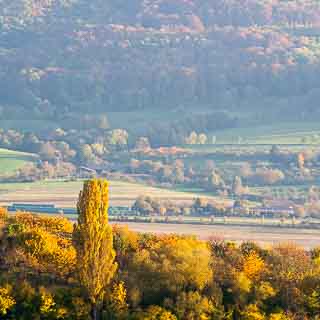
(51, 269)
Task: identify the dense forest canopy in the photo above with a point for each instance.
(53, 270)
(61, 57)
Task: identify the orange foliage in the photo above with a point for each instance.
(3, 214)
(253, 265)
(52, 224)
(49, 251)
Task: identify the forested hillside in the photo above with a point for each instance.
(61, 58)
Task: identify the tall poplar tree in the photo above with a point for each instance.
(93, 241)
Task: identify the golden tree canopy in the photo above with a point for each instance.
(93, 240)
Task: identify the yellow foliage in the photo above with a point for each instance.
(93, 240)
(50, 250)
(243, 282)
(252, 312)
(317, 261)
(265, 290)
(6, 301)
(178, 261)
(192, 305)
(47, 302)
(118, 299)
(61, 313)
(278, 316)
(253, 265)
(55, 224)
(156, 313)
(187, 260)
(39, 242)
(3, 214)
(124, 238)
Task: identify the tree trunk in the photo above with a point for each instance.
(94, 312)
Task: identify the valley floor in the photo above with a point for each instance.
(265, 236)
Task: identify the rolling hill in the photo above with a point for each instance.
(61, 60)
(11, 161)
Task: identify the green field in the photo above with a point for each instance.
(11, 161)
(64, 194)
(278, 133)
(302, 132)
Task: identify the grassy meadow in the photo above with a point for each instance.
(65, 193)
(11, 161)
(277, 133)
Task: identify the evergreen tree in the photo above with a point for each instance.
(94, 242)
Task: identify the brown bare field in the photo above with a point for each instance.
(65, 194)
(265, 236)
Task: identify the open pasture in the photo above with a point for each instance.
(11, 161)
(64, 194)
(278, 133)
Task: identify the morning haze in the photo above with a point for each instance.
(159, 159)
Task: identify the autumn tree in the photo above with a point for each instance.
(252, 312)
(215, 181)
(192, 306)
(48, 251)
(93, 241)
(47, 151)
(192, 138)
(86, 153)
(202, 138)
(3, 214)
(237, 187)
(155, 313)
(253, 265)
(47, 303)
(268, 176)
(6, 301)
(103, 123)
(118, 138)
(168, 265)
(142, 144)
(116, 304)
(300, 160)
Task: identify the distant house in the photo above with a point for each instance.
(85, 171)
(279, 204)
(96, 170)
(278, 207)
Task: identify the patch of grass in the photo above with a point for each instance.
(277, 133)
(11, 161)
(300, 191)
